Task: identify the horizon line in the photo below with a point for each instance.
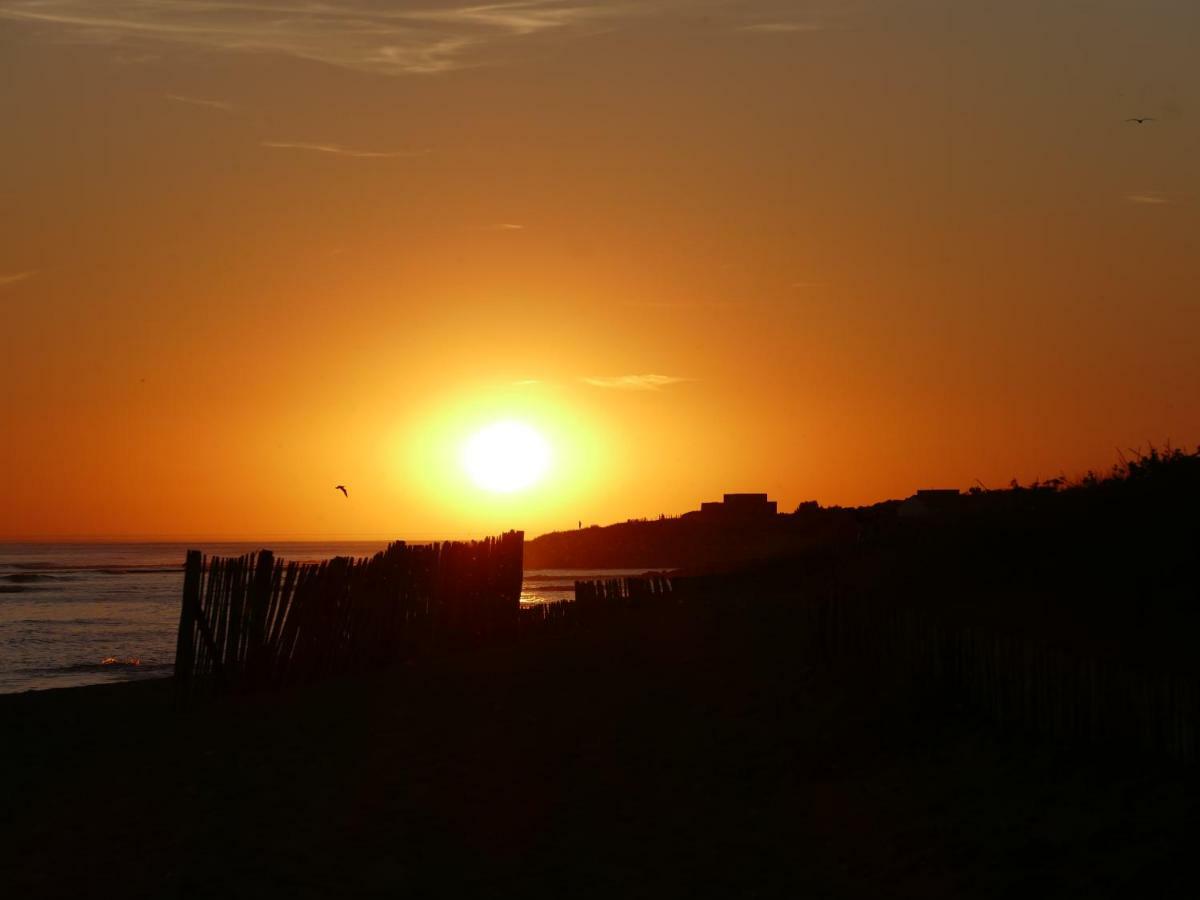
(235, 539)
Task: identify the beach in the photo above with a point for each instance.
(681, 756)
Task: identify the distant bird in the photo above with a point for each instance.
(1141, 120)
(342, 488)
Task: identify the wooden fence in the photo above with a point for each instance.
(601, 599)
(254, 621)
(1018, 681)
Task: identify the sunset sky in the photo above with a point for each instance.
(830, 250)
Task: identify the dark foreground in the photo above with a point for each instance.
(685, 758)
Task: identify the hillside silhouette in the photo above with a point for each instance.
(1125, 533)
(1102, 567)
(703, 538)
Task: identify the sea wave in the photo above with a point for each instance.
(33, 577)
(39, 569)
(112, 664)
(78, 622)
(138, 570)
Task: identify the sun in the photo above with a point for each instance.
(505, 457)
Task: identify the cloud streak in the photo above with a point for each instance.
(1155, 198)
(635, 382)
(338, 150)
(779, 27)
(366, 35)
(198, 101)
(6, 280)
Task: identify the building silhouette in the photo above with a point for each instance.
(736, 508)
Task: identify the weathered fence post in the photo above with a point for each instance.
(185, 648)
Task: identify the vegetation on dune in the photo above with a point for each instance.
(1143, 494)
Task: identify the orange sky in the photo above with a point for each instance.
(248, 254)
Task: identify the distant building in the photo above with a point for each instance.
(930, 502)
(736, 508)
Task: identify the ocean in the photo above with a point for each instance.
(76, 614)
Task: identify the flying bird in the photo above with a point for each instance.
(342, 488)
(1141, 119)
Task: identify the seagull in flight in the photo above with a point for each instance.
(1141, 119)
(342, 488)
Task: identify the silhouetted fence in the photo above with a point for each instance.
(1017, 681)
(601, 599)
(253, 621)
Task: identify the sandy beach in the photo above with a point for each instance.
(691, 756)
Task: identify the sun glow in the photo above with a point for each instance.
(501, 457)
(506, 457)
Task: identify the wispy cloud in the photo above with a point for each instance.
(526, 382)
(338, 150)
(198, 101)
(681, 304)
(367, 35)
(779, 27)
(15, 277)
(635, 382)
(131, 59)
(1155, 198)
(506, 226)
